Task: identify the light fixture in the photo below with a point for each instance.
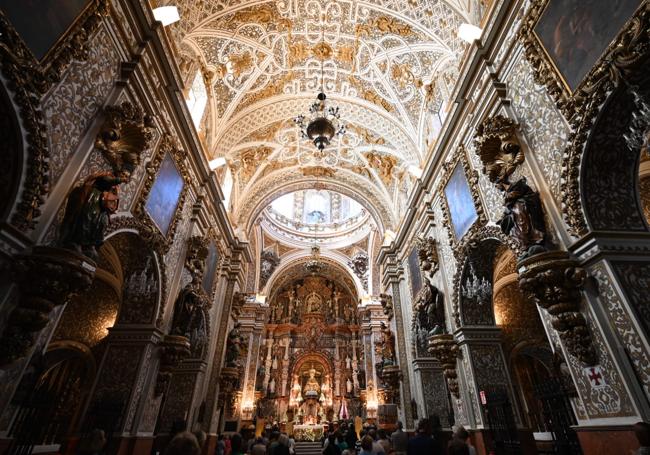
(323, 122)
(469, 32)
(166, 14)
(477, 290)
(314, 265)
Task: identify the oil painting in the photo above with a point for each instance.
(163, 199)
(41, 23)
(211, 267)
(575, 33)
(414, 271)
(460, 202)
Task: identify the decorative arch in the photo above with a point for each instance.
(334, 259)
(263, 192)
(481, 246)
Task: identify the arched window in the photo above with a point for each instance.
(227, 188)
(197, 99)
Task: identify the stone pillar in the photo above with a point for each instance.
(120, 392)
(393, 273)
(433, 398)
(219, 335)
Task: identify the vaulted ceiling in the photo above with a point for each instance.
(388, 65)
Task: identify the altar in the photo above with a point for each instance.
(308, 432)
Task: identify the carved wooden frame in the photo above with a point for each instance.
(547, 74)
(623, 56)
(472, 177)
(29, 79)
(167, 146)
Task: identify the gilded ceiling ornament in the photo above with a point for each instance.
(250, 160)
(322, 51)
(239, 63)
(403, 75)
(318, 171)
(369, 95)
(345, 54)
(384, 164)
(124, 136)
(367, 135)
(384, 24)
(298, 52)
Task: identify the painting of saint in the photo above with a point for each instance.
(41, 23)
(575, 33)
(460, 202)
(210, 268)
(165, 192)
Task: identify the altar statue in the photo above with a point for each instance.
(348, 386)
(272, 386)
(313, 303)
(295, 397)
(348, 362)
(312, 387)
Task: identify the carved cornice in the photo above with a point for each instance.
(167, 145)
(627, 54)
(472, 181)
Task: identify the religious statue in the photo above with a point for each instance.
(295, 396)
(385, 347)
(88, 211)
(233, 346)
(430, 310)
(272, 386)
(348, 362)
(189, 318)
(523, 217)
(348, 386)
(313, 303)
(312, 387)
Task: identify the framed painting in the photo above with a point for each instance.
(43, 23)
(165, 194)
(462, 210)
(210, 268)
(575, 33)
(414, 271)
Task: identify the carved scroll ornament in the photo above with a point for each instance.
(428, 255)
(125, 134)
(445, 348)
(498, 148)
(554, 281)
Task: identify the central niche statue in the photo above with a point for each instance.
(233, 346)
(189, 318)
(313, 303)
(312, 387)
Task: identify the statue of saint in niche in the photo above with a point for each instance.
(88, 210)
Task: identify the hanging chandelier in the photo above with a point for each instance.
(475, 289)
(314, 265)
(323, 122)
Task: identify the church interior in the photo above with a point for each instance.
(233, 215)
